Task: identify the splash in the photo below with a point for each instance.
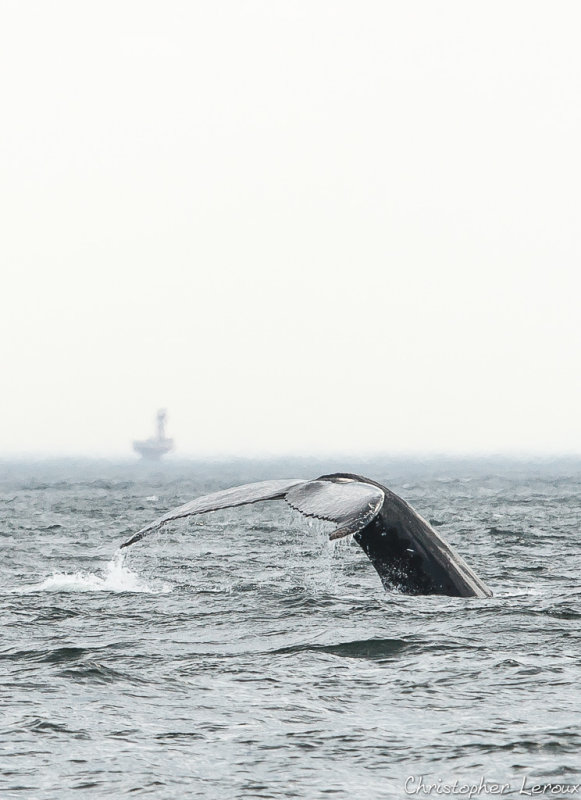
(116, 577)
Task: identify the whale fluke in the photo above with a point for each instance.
(228, 498)
(350, 503)
(405, 550)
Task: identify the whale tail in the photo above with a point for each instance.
(405, 550)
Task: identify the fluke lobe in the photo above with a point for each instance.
(405, 550)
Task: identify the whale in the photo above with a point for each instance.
(407, 553)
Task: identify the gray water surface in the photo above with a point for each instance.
(240, 654)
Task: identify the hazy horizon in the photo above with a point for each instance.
(304, 229)
(129, 456)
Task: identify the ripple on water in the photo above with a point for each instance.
(365, 648)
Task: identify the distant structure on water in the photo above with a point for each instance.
(156, 446)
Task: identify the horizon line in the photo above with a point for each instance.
(518, 455)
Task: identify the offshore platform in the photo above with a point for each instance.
(156, 446)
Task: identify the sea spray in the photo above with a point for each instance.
(115, 577)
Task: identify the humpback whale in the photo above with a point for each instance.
(405, 550)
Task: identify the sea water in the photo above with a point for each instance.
(241, 654)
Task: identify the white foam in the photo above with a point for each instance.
(116, 577)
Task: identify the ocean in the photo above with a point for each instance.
(240, 654)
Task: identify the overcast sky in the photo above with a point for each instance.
(303, 227)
